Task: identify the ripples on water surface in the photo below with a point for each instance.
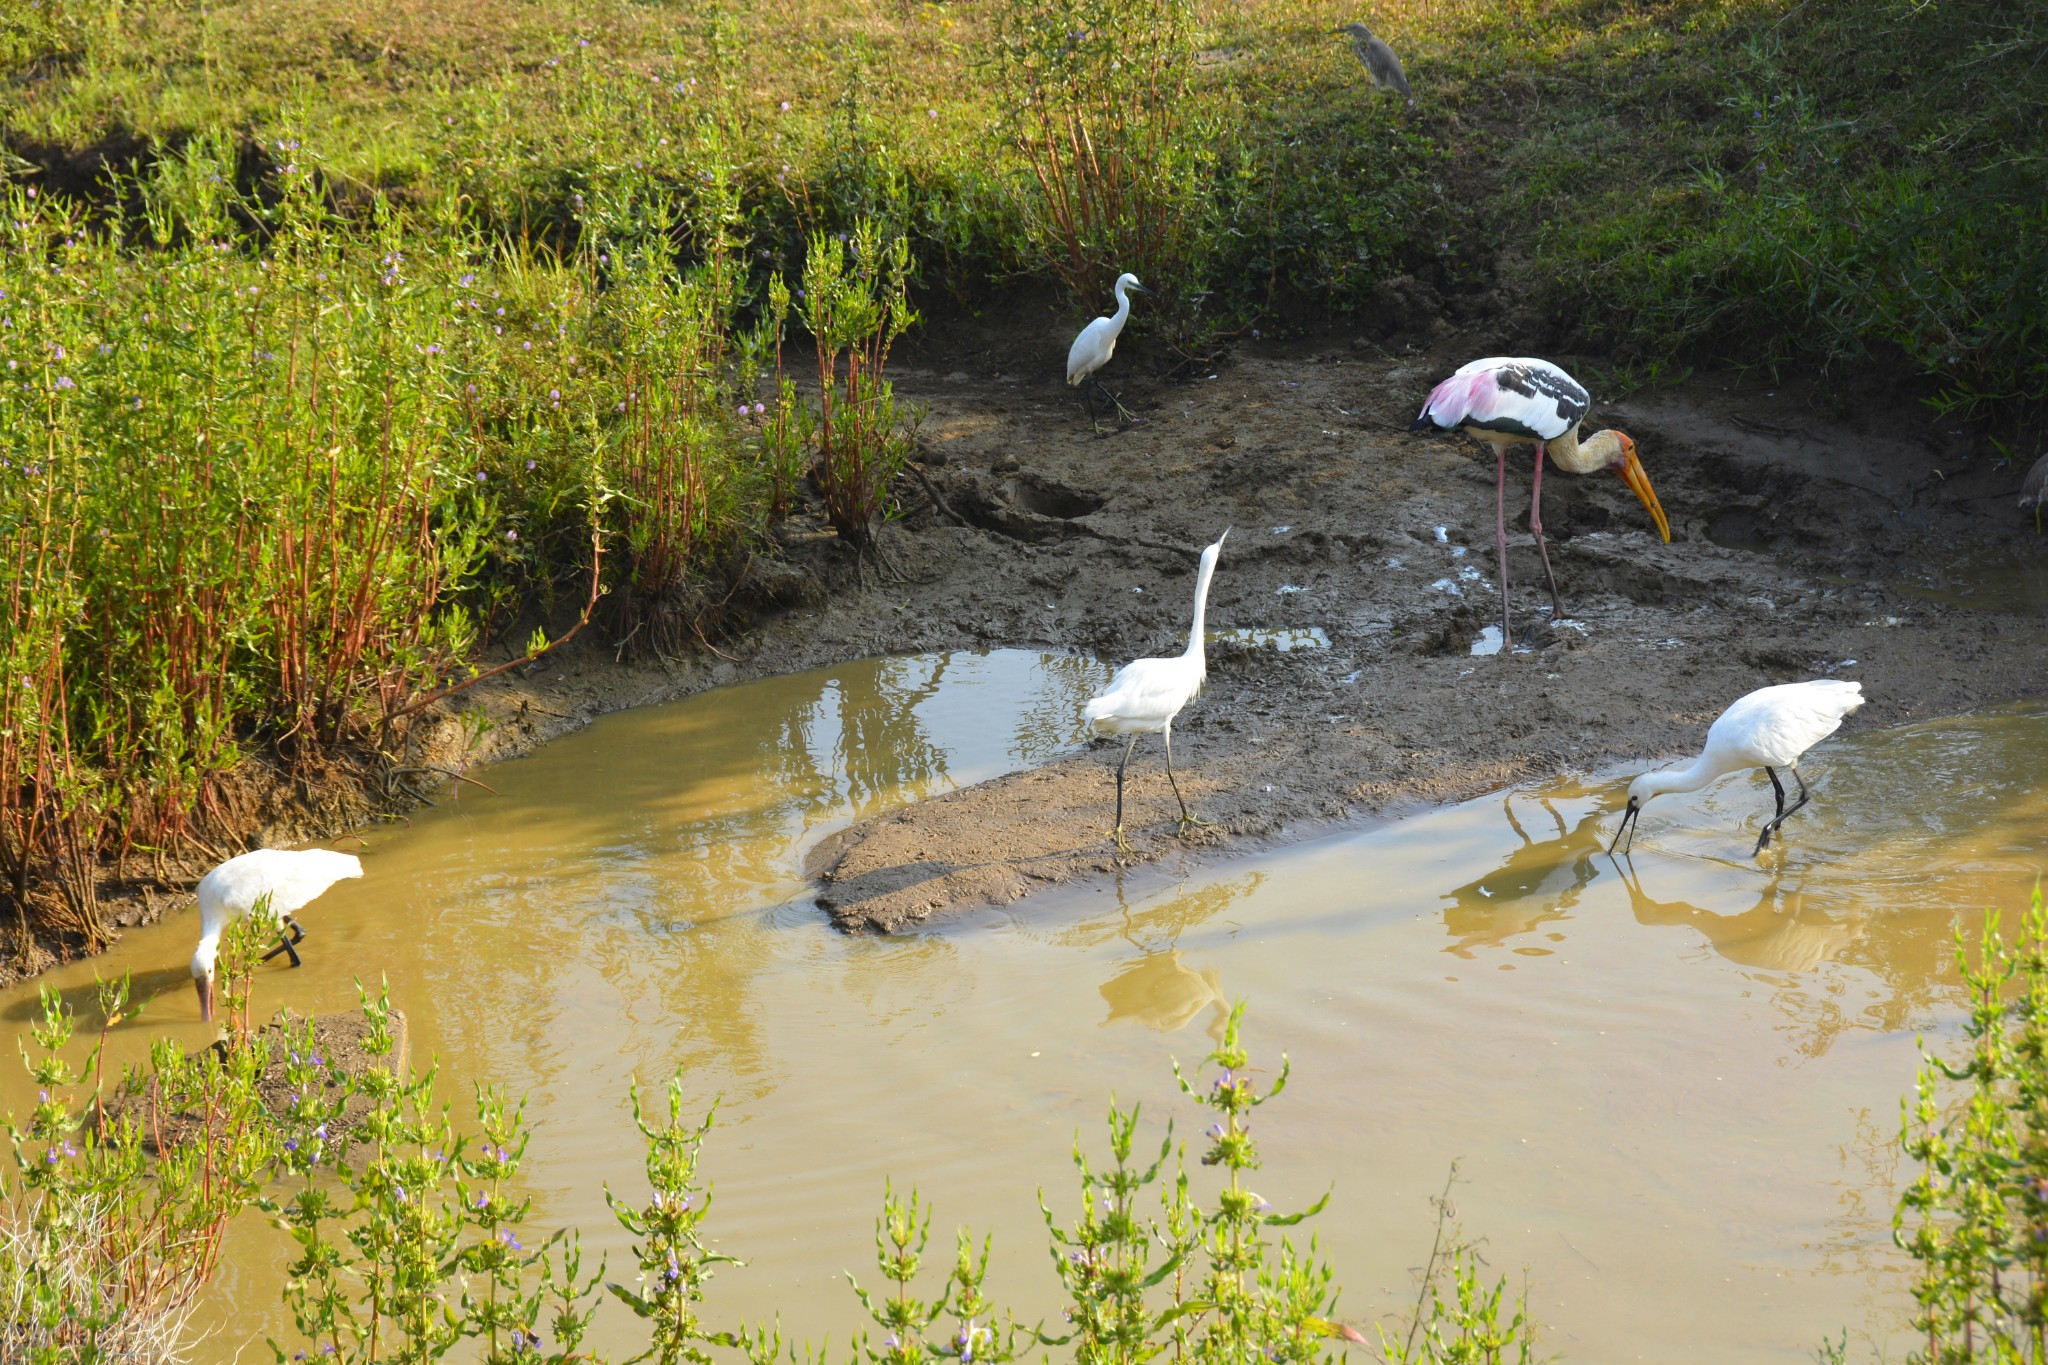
(1674, 1084)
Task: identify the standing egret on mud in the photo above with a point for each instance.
(1146, 694)
(1378, 60)
(1505, 400)
(1769, 729)
(1097, 343)
(291, 881)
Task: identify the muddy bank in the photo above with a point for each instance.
(1808, 541)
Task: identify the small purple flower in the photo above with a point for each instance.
(760, 408)
(785, 106)
(468, 280)
(482, 477)
(511, 535)
(64, 382)
(529, 465)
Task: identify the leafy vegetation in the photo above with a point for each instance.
(350, 336)
(1975, 1217)
(409, 1237)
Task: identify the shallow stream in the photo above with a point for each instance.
(1672, 1085)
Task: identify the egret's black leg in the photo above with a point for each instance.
(1118, 832)
(1185, 818)
(1536, 528)
(1118, 403)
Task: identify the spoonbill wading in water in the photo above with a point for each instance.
(1769, 729)
(1503, 401)
(290, 879)
(1097, 343)
(1146, 694)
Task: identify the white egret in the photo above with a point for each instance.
(1146, 694)
(1769, 729)
(1097, 343)
(1378, 59)
(290, 879)
(1505, 400)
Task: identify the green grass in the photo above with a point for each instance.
(515, 269)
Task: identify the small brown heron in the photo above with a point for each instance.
(1378, 59)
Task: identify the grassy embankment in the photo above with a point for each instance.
(342, 335)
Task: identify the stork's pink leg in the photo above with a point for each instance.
(1500, 538)
(1536, 529)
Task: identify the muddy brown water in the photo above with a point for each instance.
(1672, 1083)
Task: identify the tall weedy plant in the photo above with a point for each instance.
(855, 304)
(1120, 162)
(1975, 1217)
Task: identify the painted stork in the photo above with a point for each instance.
(1505, 400)
(1769, 729)
(290, 880)
(1378, 59)
(1146, 694)
(1097, 343)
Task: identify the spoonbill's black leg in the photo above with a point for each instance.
(1763, 840)
(288, 945)
(1118, 832)
(1785, 812)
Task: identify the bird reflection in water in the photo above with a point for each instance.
(1534, 884)
(1157, 988)
(1161, 992)
(1777, 934)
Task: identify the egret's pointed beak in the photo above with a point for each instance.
(1638, 480)
(1628, 820)
(1141, 289)
(204, 985)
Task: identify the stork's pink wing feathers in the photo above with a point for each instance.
(1517, 396)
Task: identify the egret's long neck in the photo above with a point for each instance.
(1201, 607)
(1600, 451)
(1123, 307)
(1690, 778)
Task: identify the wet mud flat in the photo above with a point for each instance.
(1807, 541)
(1802, 546)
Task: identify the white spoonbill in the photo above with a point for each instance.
(1769, 729)
(1505, 400)
(1097, 343)
(1146, 694)
(290, 879)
